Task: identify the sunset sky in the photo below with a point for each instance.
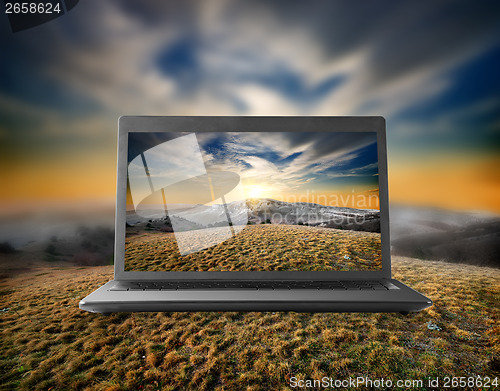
(430, 68)
(336, 169)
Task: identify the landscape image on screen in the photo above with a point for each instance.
(252, 201)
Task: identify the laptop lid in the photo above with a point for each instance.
(252, 198)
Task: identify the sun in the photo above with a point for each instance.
(255, 191)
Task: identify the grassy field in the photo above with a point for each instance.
(260, 247)
(47, 343)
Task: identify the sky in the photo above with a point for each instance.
(430, 68)
(335, 169)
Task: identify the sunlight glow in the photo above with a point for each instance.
(254, 191)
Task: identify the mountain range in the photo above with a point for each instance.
(262, 211)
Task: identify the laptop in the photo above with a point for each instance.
(252, 214)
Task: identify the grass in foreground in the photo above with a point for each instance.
(260, 247)
(47, 343)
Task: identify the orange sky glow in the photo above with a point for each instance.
(455, 183)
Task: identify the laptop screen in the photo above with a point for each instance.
(250, 201)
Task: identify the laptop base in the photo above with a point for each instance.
(403, 300)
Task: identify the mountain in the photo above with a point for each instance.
(305, 213)
(264, 210)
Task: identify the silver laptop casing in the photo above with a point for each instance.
(105, 301)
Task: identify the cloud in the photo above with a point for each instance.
(366, 170)
(286, 161)
(262, 57)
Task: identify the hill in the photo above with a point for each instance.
(258, 211)
(458, 237)
(256, 247)
(306, 213)
(49, 343)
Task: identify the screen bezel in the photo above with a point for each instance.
(127, 124)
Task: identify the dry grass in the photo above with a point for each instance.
(47, 343)
(260, 247)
